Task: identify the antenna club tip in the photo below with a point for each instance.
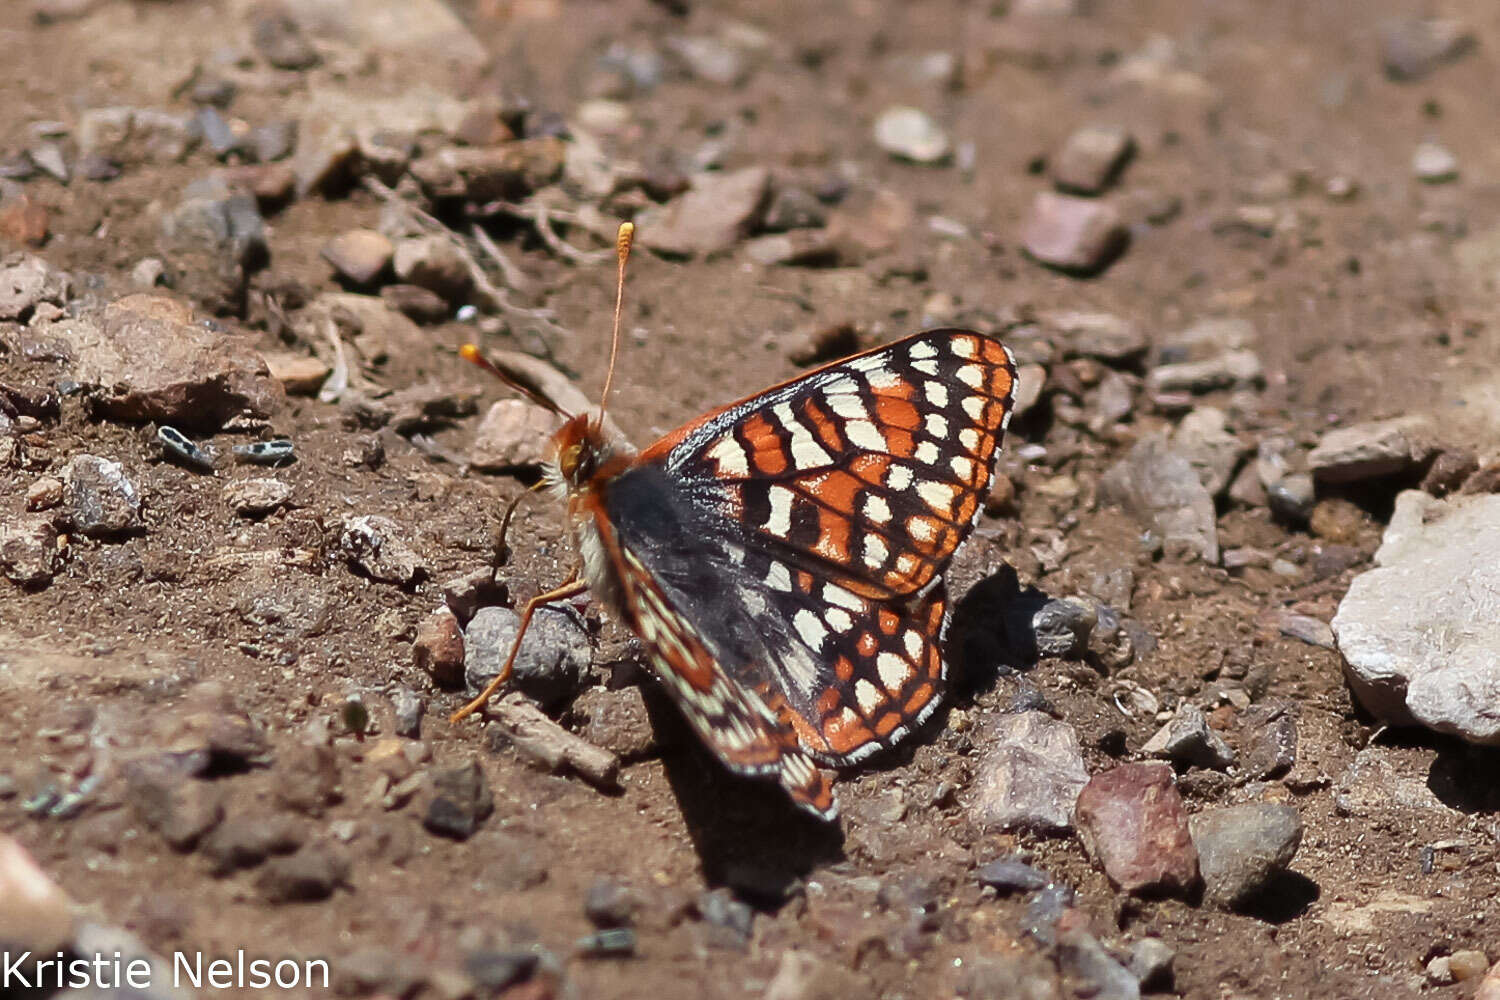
(624, 238)
(470, 352)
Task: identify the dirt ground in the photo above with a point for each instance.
(1272, 181)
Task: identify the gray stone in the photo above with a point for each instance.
(553, 662)
(1030, 774)
(1412, 47)
(911, 134)
(1207, 339)
(1292, 498)
(717, 212)
(1313, 631)
(711, 59)
(1151, 963)
(310, 875)
(1372, 450)
(1240, 848)
(1230, 370)
(433, 263)
(1271, 740)
(1062, 627)
(165, 800)
(1203, 438)
(101, 501)
(1420, 633)
(1132, 822)
(461, 801)
(1081, 958)
(256, 497)
(1097, 335)
(1188, 739)
(1074, 235)
(376, 546)
(1012, 875)
(1091, 159)
(1004, 975)
(1161, 489)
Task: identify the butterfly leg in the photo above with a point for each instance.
(571, 588)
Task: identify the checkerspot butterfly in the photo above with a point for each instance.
(781, 557)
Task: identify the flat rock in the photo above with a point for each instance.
(1188, 739)
(1160, 488)
(256, 497)
(359, 255)
(1433, 163)
(1372, 450)
(298, 374)
(1097, 335)
(515, 433)
(553, 661)
(1203, 438)
(156, 363)
(1405, 659)
(27, 281)
(1091, 159)
(433, 263)
(376, 546)
(1229, 370)
(1412, 47)
(717, 212)
(1132, 822)
(1241, 848)
(911, 134)
(1030, 775)
(1075, 235)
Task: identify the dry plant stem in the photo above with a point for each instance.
(552, 746)
(572, 588)
(486, 294)
(541, 217)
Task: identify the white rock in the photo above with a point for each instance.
(1420, 633)
(911, 135)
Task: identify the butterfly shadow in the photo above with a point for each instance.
(991, 635)
(748, 834)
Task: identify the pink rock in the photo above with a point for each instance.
(1132, 822)
(1077, 235)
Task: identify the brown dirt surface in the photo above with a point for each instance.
(1271, 182)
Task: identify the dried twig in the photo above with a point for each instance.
(544, 741)
(541, 217)
(514, 277)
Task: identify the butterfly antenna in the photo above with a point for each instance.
(623, 239)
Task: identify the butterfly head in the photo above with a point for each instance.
(582, 456)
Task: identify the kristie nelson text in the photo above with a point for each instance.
(23, 970)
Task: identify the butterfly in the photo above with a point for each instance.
(781, 558)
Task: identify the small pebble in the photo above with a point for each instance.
(615, 942)
(1434, 164)
(909, 134)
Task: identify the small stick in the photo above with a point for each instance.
(544, 741)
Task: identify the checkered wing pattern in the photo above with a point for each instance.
(848, 490)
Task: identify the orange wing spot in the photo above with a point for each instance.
(843, 668)
(836, 489)
(967, 508)
(824, 426)
(766, 450)
(1000, 382)
(871, 468)
(804, 581)
(828, 701)
(833, 535)
(817, 793)
(900, 443)
(887, 722)
(867, 644)
(889, 621)
(921, 696)
(893, 411)
(846, 732)
(806, 734)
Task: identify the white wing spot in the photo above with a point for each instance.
(810, 628)
(778, 577)
(937, 393)
(921, 529)
(971, 376)
(939, 496)
(876, 509)
(867, 696)
(913, 642)
(974, 407)
(899, 478)
(806, 452)
(969, 438)
(730, 457)
(925, 367)
(964, 347)
(923, 349)
(927, 453)
(883, 378)
(838, 619)
(848, 405)
(876, 552)
(841, 386)
(863, 434)
(962, 467)
(780, 521)
(893, 671)
(834, 594)
(937, 426)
